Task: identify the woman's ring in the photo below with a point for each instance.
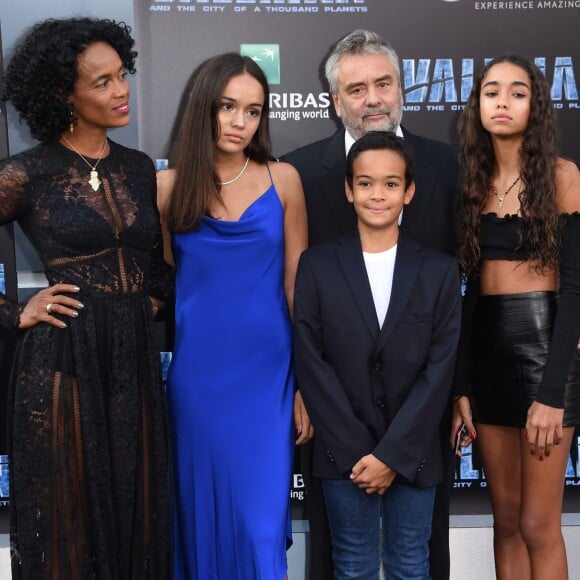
(49, 308)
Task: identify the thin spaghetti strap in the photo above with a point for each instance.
(269, 173)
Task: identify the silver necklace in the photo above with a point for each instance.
(238, 175)
(94, 180)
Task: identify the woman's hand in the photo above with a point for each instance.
(543, 428)
(156, 305)
(304, 428)
(44, 304)
(462, 416)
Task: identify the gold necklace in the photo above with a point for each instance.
(94, 180)
(501, 198)
(238, 175)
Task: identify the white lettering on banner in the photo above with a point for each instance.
(316, 114)
(285, 115)
(504, 5)
(559, 4)
(345, 9)
(298, 485)
(298, 480)
(279, 7)
(291, 8)
(297, 115)
(298, 106)
(528, 5)
(462, 484)
(298, 100)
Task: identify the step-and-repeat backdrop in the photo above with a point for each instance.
(441, 45)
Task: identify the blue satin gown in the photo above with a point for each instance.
(230, 392)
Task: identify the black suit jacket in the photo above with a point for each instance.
(429, 216)
(371, 390)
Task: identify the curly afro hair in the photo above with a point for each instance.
(43, 71)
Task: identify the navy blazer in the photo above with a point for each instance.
(371, 390)
(429, 216)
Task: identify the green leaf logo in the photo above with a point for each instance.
(267, 56)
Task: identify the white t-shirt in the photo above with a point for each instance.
(380, 269)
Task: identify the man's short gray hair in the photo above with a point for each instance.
(358, 42)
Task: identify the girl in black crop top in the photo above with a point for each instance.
(518, 365)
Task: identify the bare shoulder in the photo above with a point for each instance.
(567, 186)
(286, 179)
(165, 181)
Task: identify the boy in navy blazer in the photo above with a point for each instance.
(377, 319)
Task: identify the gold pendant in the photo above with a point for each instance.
(500, 201)
(95, 182)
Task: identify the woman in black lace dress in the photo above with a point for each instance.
(86, 411)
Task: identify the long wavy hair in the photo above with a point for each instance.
(539, 239)
(43, 71)
(193, 155)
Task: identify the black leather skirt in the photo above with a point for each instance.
(511, 340)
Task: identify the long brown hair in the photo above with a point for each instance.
(539, 240)
(193, 156)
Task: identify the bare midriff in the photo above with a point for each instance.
(510, 277)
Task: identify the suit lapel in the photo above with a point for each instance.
(407, 265)
(425, 178)
(351, 262)
(332, 183)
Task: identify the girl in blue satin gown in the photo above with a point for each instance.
(238, 225)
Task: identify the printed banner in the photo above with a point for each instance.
(441, 44)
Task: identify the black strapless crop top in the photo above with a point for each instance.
(499, 237)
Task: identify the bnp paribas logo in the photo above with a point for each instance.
(267, 56)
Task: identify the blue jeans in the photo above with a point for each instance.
(366, 529)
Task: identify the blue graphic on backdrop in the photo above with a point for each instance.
(434, 81)
(469, 475)
(165, 361)
(4, 480)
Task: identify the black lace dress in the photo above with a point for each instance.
(87, 423)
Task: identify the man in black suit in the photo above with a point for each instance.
(365, 83)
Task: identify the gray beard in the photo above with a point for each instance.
(389, 125)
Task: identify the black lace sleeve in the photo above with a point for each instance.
(13, 182)
(162, 274)
(567, 324)
(463, 364)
